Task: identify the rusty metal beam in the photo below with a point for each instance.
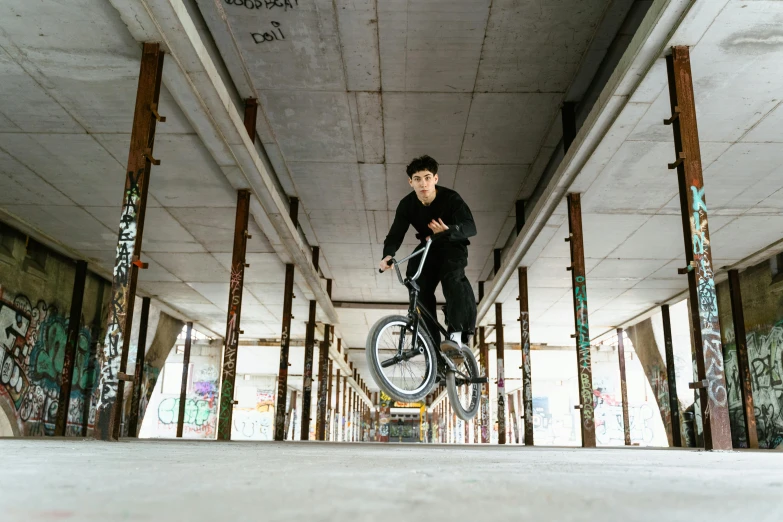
(499, 345)
(235, 289)
(285, 337)
(671, 377)
(127, 261)
(526, 406)
(623, 386)
(138, 375)
(486, 412)
(581, 325)
(740, 341)
(183, 390)
(74, 324)
(323, 364)
(569, 124)
(713, 395)
(251, 110)
(307, 382)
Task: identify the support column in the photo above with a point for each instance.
(385, 417)
(512, 413)
(501, 376)
(138, 376)
(344, 420)
(74, 323)
(486, 412)
(235, 288)
(323, 367)
(282, 375)
(307, 380)
(698, 254)
(623, 386)
(183, 390)
(330, 423)
(338, 412)
(526, 406)
(127, 256)
(581, 324)
(671, 377)
(484, 361)
(740, 341)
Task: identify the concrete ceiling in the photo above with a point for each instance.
(349, 92)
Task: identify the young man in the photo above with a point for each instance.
(434, 210)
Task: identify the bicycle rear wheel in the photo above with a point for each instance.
(463, 391)
(406, 375)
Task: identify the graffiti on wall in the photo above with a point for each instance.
(765, 358)
(609, 420)
(258, 422)
(32, 351)
(200, 408)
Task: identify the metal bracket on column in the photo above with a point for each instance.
(698, 384)
(689, 268)
(148, 154)
(674, 117)
(249, 236)
(124, 377)
(579, 407)
(680, 157)
(137, 262)
(154, 111)
(569, 268)
(567, 239)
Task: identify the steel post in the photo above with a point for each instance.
(285, 338)
(623, 386)
(526, 406)
(740, 341)
(307, 379)
(138, 376)
(581, 325)
(127, 255)
(183, 390)
(501, 375)
(671, 377)
(323, 366)
(74, 325)
(231, 342)
(713, 395)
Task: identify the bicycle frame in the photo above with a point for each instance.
(414, 311)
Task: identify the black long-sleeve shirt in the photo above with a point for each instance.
(447, 205)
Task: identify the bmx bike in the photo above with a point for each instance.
(405, 362)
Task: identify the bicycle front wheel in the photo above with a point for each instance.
(403, 368)
(463, 391)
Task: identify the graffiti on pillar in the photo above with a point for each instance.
(765, 359)
(32, 353)
(585, 369)
(126, 242)
(231, 347)
(527, 381)
(384, 417)
(707, 301)
(501, 398)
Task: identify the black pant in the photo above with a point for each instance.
(446, 266)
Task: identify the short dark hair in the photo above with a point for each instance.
(422, 163)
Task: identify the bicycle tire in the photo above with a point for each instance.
(430, 360)
(469, 366)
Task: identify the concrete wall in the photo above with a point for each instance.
(35, 299)
(762, 300)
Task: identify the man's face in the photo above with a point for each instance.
(423, 182)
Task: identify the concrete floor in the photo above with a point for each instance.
(193, 481)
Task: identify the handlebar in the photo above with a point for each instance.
(424, 250)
